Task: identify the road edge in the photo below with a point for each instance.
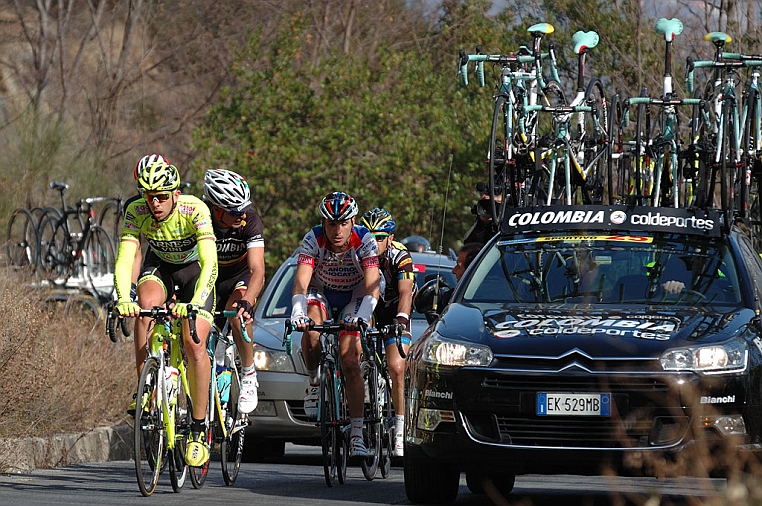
(101, 444)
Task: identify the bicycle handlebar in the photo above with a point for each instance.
(396, 330)
(157, 313)
(479, 58)
(327, 326)
(230, 313)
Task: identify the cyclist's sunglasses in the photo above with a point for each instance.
(160, 197)
(234, 214)
(380, 237)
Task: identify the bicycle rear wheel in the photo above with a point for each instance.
(148, 437)
(231, 447)
(501, 173)
(330, 430)
(371, 429)
(595, 143)
(111, 218)
(387, 422)
(22, 239)
(99, 258)
(181, 414)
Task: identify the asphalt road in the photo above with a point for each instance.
(297, 479)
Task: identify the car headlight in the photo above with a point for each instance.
(272, 360)
(457, 354)
(729, 357)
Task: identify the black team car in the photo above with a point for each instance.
(587, 340)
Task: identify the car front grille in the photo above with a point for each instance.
(297, 410)
(646, 412)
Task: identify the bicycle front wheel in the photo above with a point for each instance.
(55, 250)
(181, 414)
(148, 441)
(22, 239)
(371, 429)
(387, 422)
(330, 430)
(231, 446)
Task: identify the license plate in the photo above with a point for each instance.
(571, 404)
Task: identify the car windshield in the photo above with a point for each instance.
(608, 270)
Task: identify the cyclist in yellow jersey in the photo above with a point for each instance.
(181, 262)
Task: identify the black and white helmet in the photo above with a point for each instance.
(226, 189)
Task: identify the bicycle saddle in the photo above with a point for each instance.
(584, 40)
(545, 28)
(58, 185)
(717, 38)
(669, 28)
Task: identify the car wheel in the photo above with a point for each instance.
(430, 482)
(502, 482)
(263, 449)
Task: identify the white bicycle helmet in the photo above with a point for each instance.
(227, 190)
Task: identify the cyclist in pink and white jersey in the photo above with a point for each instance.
(337, 268)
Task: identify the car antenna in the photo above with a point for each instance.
(441, 235)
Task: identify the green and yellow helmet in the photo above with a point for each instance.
(158, 176)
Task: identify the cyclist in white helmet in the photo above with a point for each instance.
(241, 260)
(337, 268)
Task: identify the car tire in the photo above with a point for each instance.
(430, 482)
(263, 449)
(503, 482)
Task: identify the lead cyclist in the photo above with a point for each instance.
(182, 254)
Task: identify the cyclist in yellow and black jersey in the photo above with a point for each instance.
(395, 306)
(182, 254)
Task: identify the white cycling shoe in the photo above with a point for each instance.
(248, 398)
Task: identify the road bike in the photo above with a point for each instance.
(728, 131)
(74, 249)
(163, 400)
(653, 175)
(226, 424)
(571, 159)
(513, 131)
(333, 408)
(379, 410)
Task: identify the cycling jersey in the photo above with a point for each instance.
(395, 264)
(174, 241)
(233, 245)
(343, 271)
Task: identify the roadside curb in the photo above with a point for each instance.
(102, 444)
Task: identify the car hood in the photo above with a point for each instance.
(268, 332)
(645, 331)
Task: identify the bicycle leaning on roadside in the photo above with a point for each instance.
(225, 422)
(163, 400)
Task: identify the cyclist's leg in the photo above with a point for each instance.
(350, 348)
(236, 287)
(198, 364)
(153, 289)
(396, 365)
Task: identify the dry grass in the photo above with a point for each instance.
(61, 373)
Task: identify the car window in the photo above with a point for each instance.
(601, 269)
(279, 303)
